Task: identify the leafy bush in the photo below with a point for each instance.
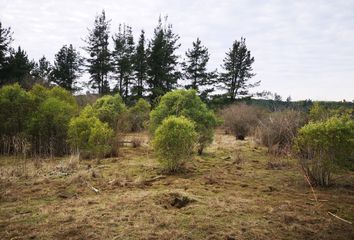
(48, 126)
(40, 117)
(241, 119)
(109, 108)
(323, 146)
(186, 103)
(15, 111)
(174, 141)
(139, 115)
(278, 130)
(318, 113)
(89, 136)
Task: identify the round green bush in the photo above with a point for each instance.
(188, 104)
(139, 115)
(89, 136)
(109, 108)
(325, 146)
(174, 142)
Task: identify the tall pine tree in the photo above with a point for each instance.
(162, 60)
(140, 67)
(123, 60)
(238, 71)
(99, 60)
(5, 50)
(195, 70)
(42, 70)
(18, 68)
(67, 68)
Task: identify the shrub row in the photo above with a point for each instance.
(46, 122)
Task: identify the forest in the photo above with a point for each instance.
(156, 146)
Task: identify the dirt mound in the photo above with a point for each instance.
(174, 200)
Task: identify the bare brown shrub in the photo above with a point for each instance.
(241, 119)
(278, 130)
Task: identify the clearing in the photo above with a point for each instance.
(233, 191)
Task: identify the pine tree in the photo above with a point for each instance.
(123, 59)
(67, 68)
(162, 61)
(18, 68)
(99, 64)
(5, 50)
(195, 70)
(140, 67)
(238, 71)
(42, 70)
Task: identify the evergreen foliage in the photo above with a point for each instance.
(123, 60)
(195, 70)
(140, 67)
(67, 68)
(237, 71)
(99, 60)
(162, 61)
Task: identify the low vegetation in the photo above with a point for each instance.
(242, 119)
(325, 146)
(188, 104)
(174, 142)
(278, 130)
(229, 192)
(93, 172)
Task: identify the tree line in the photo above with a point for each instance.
(146, 68)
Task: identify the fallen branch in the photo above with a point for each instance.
(309, 182)
(318, 200)
(154, 179)
(93, 188)
(346, 221)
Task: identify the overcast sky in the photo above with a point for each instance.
(302, 48)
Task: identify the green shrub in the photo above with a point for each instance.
(40, 117)
(89, 136)
(109, 108)
(174, 141)
(15, 111)
(49, 125)
(318, 112)
(186, 103)
(325, 146)
(138, 115)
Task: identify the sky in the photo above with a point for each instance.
(303, 49)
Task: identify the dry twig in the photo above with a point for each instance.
(346, 221)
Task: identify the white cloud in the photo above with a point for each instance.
(302, 48)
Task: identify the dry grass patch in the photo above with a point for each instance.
(216, 198)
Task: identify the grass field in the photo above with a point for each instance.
(233, 191)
